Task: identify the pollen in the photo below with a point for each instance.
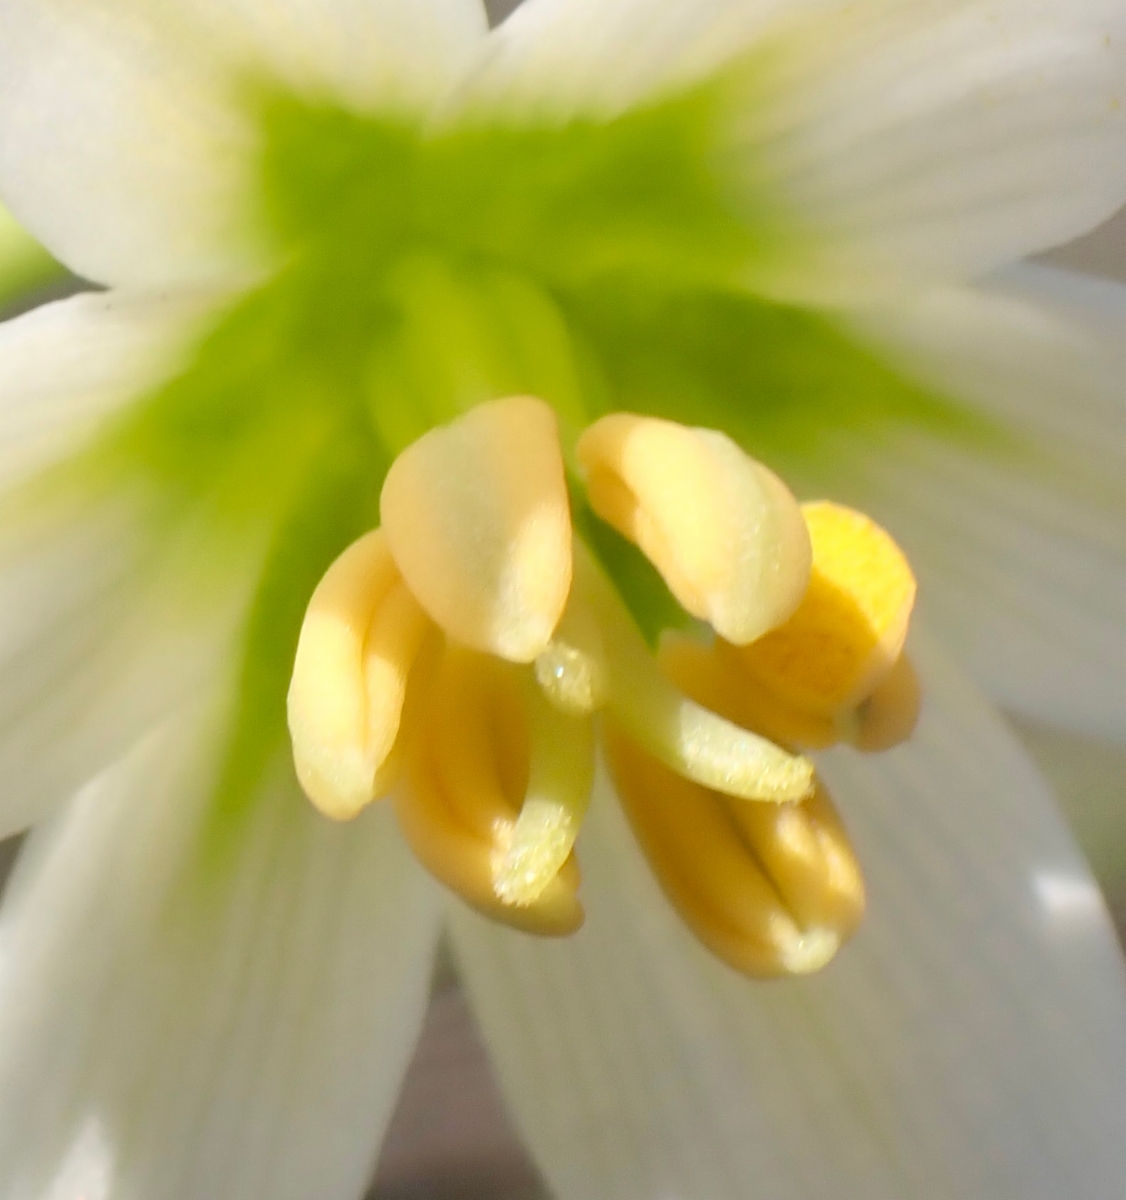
(848, 632)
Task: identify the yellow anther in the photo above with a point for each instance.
(771, 890)
(361, 634)
(471, 770)
(685, 736)
(849, 629)
(478, 520)
(806, 853)
(725, 533)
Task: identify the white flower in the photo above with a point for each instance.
(207, 991)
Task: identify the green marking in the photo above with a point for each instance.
(643, 591)
(594, 264)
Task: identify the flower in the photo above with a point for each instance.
(330, 229)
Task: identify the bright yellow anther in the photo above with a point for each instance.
(771, 889)
(477, 517)
(848, 632)
(476, 768)
(725, 533)
(361, 635)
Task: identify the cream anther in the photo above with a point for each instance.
(725, 533)
(361, 634)
(477, 517)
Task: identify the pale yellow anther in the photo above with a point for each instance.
(485, 809)
(477, 518)
(848, 632)
(723, 530)
(773, 890)
(361, 634)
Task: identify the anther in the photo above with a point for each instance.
(471, 770)
(361, 635)
(836, 670)
(723, 530)
(772, 890)
(478, 519)
(848, 632)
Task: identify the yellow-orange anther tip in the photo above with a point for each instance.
(724, 532)
(889, 716)
(478, 520)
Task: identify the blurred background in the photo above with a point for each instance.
(450, 1138)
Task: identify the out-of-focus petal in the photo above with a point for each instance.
(126, 145)
(96, 640)
(969, 1042)
(1019, 542)
(929, 139)
(199, 1004)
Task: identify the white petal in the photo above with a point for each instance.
(1020, 549)
(936, 139)
(970, 1042)
(124, 142)
(195, 1010)
(67, 367)
(1087, 775)
(926, 139)
(96, 640)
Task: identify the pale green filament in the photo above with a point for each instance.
(686, 737)
(561, 773)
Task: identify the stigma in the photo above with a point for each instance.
(471, 660)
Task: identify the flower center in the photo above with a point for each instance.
(469, 655)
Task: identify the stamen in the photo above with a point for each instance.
(849, 630)
(680, 733)
(361, 635)
(723, 530)
(470, 767)
(561, 774)
(772, 900)
(478, 519)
